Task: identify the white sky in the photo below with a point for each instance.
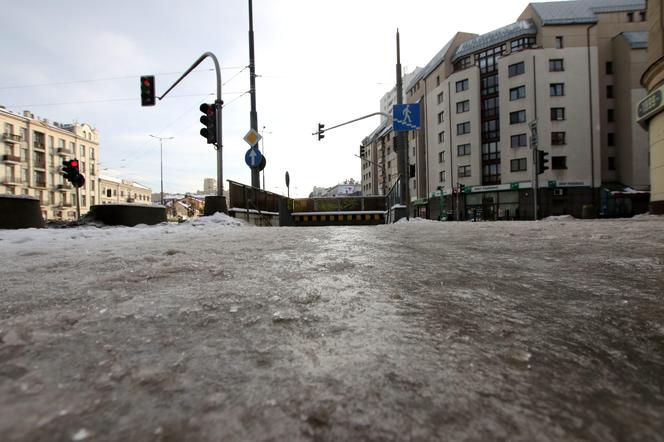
(318, 61)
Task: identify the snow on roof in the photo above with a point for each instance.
(495, 37)
(582, 11)
(637, 40)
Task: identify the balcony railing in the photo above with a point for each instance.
(39, 145)
(40, 164)
(11, 138)
(11, 159)
(12, 181)
(64, 187)
(40, 184)
(64, 151)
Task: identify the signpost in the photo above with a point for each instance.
(253, 158)
(406, 117)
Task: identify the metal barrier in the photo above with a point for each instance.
(393, 199)
(255, 205)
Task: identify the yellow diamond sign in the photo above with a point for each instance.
(252, 138)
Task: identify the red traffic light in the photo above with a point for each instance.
(73, 163)
(146, 82)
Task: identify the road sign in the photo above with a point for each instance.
(405, 117)
(252, 138)
(287, 179)
(253, 158)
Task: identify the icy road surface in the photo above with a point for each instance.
(530, 331)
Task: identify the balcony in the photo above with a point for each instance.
(40, 184)
(67, 204)
(11, 159)
(12, 181)
(39, 164)
(11, 138)
(64, 151)
(39, 145)
(63, 187)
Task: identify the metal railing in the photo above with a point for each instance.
(393, 198)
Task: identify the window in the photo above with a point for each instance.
(630, 16)
(559, 42)
(556, 65)
(610, 139)
(463, 106)
(518, 117)
(463, 149)
(516, 69)
(518, 165)
(82, 151)
(441, 176)
(610, 115)
(464, 171)
(441, 137)
(491, 174)
(557, 89)
(440, 98)
(520, 140)
(558, 138)
(490, 151)
(462, 85)
(559, 162)
(441, 157)
(517, 93)
(463, 128)
(609, 68)
(437, 80)
(612, 163)
(609, 91)
(108, 193)
(642, 14)
(557, 113)
(440, 117)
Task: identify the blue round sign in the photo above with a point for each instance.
(253, 158)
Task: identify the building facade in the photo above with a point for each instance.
(118, 191)
(210, 186)
(651, 109)
(566, 72)
(31, 154)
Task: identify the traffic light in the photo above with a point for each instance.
(147, 90)
(361, 151)
(321, 129)
(542, 161)
(462, 187)
(209, 120)
(71, 172)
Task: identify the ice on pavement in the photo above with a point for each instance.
(217, 330)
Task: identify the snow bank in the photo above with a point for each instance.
(647, 217)
(559, 218)
(218, 219)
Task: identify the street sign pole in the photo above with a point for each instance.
(253, 115)
(534, 142)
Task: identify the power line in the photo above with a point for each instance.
(91, 80)
(108, 100)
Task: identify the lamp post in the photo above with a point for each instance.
(161, 162)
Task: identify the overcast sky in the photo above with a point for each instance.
(317, 61)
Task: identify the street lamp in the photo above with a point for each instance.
(161, 162)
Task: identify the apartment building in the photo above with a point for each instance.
(31, 154)
(569, 71)
(118, 191)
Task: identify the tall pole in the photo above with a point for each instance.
(402, 150)
(161, 162)
(253, 115)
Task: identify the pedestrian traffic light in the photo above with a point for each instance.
(321, 129)
(542, 161)
(209, 120)
(147, 90)
(71, 172)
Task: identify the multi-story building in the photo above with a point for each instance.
(118, 191)
(210, 186)
(32, 151)
(567, 72)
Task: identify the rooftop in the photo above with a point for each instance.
(493, 38)
(582, 11)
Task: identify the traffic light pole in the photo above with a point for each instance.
(78, 204)
(218, 106)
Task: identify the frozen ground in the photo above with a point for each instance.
(531, 331)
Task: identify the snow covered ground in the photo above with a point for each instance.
(420, 330)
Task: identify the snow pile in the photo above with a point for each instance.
(218, 219)
(415, 220)
(647, 217)
(559, 218)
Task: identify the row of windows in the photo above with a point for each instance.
(521, 164)
(555, 65)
